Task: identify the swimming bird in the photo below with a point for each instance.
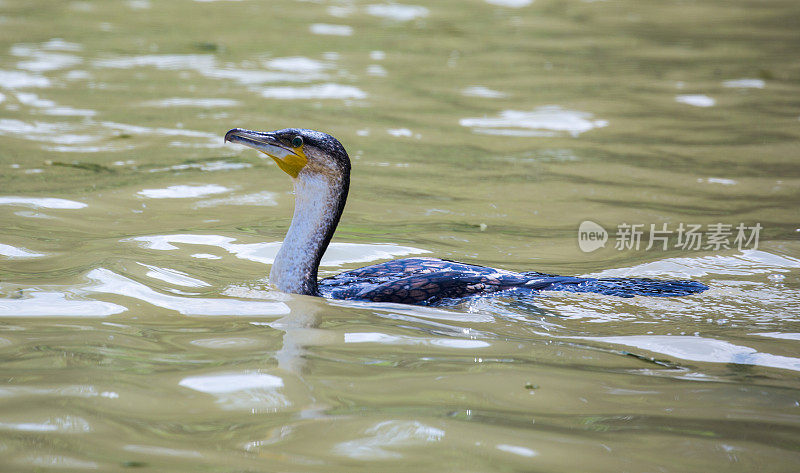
(320, 170)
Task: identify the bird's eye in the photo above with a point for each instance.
(297, 141)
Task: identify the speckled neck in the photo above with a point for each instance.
(319, 202)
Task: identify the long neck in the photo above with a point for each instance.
(319, 202)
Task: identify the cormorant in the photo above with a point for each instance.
(320, 170)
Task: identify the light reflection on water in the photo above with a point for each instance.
(49, 304)
(41, 202)
(542, 121)
(337, 254)
(183, 191)
(748, 262)
(385, 435)
(19, 79)
(112, 283)
(138, 328)
(251, 391)
(697, 100)
(703, 349)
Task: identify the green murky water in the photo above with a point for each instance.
(138, 332)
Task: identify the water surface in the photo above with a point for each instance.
(137, 328)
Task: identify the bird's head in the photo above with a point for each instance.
(297, 151)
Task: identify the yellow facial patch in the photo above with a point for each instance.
(291, 164)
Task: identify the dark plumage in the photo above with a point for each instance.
(429, 281)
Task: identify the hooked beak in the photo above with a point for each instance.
(290, 160)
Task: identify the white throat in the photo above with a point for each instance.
(315, 207)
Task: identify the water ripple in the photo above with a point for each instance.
(331, 30)
(397, 11)
(15, 252)
(56, 304)
(337, 254)
(748, 262)
(548, 120)
(389, 434)
(183, 191)
(241, 390)
(109, 282)
(703, 349)
(697, 100)
(319, 92)
(21, 80)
